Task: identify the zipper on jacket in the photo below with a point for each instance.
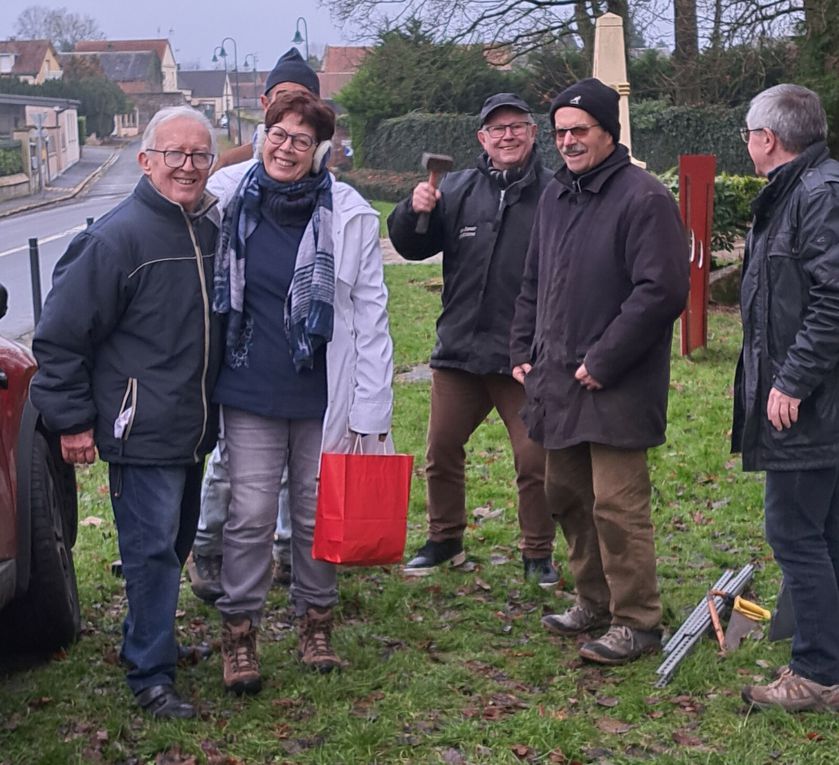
(500, 212)
(199, 261)
(128, 405)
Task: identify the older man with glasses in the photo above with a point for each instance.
(127, 356)
(481, 220)
(786, 388)
(606, 276)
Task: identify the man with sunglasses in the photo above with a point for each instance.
(606, 276)
(481, 220)
(786, 388)
(128, 356)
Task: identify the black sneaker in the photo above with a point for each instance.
(432, 554)
(541, 571)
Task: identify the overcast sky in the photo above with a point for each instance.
(195, 28)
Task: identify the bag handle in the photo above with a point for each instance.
(358, 445)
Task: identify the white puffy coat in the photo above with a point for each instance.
(359, 360)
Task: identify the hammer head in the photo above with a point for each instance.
(437, 163)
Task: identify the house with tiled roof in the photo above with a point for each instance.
(208, 90)
(31, 61)
(160, 47)
(340, 63)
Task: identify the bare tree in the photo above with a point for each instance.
(522, 25)
(62, 27)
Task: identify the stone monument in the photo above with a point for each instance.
(610, 69)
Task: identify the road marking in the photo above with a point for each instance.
(45, 240)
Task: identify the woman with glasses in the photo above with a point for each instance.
(308, 367)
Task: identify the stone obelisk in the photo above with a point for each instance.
(610, 68)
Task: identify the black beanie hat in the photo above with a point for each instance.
(592, 96)
(291, 67)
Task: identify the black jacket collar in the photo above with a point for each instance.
(784, 177)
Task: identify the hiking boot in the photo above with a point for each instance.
(621, 644)
(793, 693)
(577, 619)
(238, 656)
(541, 571)
(205, 576)
(433, 554)
(281, 566)
(314, 647)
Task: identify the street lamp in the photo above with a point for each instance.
(223, 54)
(253, 57)
(297, 39)
(220, 51)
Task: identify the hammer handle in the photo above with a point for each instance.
(424, 218)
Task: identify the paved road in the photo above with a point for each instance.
(54, 227)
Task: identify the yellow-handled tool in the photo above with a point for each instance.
(751, 610)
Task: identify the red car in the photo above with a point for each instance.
(39, 602)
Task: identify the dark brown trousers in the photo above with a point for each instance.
(460, 401)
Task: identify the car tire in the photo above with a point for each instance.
(47, 617)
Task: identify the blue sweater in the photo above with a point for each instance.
(269, 385)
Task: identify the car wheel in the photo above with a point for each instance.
(47, 617)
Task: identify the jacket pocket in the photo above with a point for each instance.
(127, 411)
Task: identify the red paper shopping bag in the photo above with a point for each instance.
(362, 511)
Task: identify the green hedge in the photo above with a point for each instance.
(11, 158)
(659, 134)
(382, 185)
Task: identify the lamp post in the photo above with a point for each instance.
(297, 39)
(220, 51)
(223, 54)
(253, 57)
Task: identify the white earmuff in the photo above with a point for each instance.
(321, 157)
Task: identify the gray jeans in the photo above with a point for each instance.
(215, 500)
(259, 450)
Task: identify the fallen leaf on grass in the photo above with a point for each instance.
(40, 702)
(611, 725)
(453, 757)
(683, 738)
(813, 736)
(91, 520)
(175, 757)
(497, 559)
(557, 757)
(607, 701)
(656, 714)
(487, 513)
(522, 751)
(482, 584)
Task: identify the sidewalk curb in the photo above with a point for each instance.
(71, 193)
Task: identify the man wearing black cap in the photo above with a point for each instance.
(606, 276)
(290, 72)
(481, 219)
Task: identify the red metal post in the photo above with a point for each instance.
(696, 201)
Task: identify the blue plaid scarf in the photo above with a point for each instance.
(308, 312)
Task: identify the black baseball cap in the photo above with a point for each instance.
(503, 99)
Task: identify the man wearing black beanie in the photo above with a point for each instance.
(605, 278)
(290, 72)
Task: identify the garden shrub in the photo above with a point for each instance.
(11, 159)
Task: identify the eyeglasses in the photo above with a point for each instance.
(745, 131)
(278, 136)
(499, 131)
(201, 160)
(578, 131)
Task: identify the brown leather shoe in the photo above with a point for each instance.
(314, 647)
(238, 656)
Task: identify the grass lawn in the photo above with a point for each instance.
(383, 209)
(453, 668)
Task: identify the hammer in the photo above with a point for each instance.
(437, 165)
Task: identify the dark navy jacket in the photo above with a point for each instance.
(126, 344)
